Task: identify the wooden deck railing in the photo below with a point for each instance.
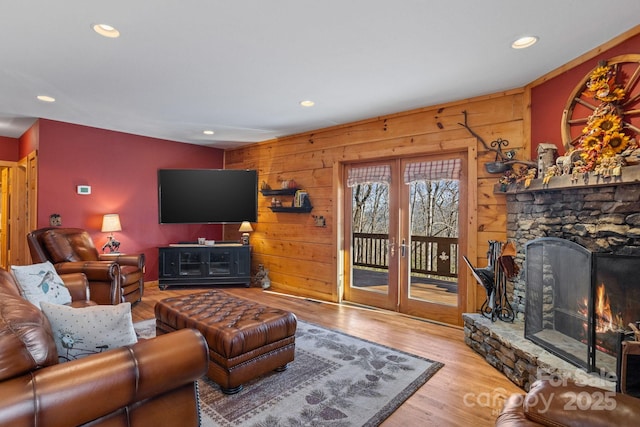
(429, 255)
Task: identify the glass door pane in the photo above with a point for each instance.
(370, 247)
(433, 247)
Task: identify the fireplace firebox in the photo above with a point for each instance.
(578, 303)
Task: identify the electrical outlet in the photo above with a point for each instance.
(320, 221)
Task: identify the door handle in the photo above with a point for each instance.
(403, 249)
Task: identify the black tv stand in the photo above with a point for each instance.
(184, 264)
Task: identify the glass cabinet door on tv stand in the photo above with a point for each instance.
(189, 263)
(225, 263)
(218, 263)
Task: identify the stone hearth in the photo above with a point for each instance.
(504, 347)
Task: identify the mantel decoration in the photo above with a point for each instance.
(597, 130)
(606, 140)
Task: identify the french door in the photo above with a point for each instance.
(402, 235)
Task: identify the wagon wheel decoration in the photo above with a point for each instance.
(581, 105)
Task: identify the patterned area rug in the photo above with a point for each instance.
(335, 379)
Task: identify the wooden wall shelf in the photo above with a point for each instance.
(287, 192)
(291, 209)
(284, 192)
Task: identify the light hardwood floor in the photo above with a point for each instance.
(467, 391)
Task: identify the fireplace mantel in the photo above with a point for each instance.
(629, 175)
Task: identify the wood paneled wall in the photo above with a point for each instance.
(303, 259)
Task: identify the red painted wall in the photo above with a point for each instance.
(9, 149)
(122, 172)
(29, 141)
(549, 98)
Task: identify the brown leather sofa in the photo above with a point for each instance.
(557, 404)
(151, 383)
(112, 278)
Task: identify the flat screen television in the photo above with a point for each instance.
(207, 196)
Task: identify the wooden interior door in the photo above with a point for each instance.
(18, 209)
(25, 207)
(6, 173)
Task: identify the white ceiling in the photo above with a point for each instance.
(241, 67)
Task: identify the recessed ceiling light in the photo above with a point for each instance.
(45, 98)
(523, 42)
(106, 30)
(208, 132)
(307, 103)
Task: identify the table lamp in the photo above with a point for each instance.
(245, 229)
(111, 223)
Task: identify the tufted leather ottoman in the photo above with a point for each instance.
(245, 339)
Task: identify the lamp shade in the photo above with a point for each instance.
(245, 227)
(110, 223)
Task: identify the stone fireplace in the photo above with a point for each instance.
(601, 221)
(602, 218)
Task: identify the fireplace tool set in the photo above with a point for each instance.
(494, 279)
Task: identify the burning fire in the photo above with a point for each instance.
(605, 320)
(606, 324)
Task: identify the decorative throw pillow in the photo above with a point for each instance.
(40, 282)
(81, 332)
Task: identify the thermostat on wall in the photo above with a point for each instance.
(84, 189)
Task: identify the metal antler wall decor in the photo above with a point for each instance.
(503, 160)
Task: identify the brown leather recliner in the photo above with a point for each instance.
(112, 278)
(151, 383)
